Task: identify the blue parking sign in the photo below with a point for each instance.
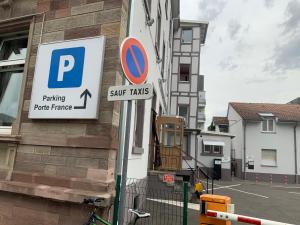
(66, 68)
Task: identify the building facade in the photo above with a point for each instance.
(48, 166)
(266, 143)
(187, 95)
(216, 147)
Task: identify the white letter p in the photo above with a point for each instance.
(63, 67)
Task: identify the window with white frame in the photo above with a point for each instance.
(213, 147)
(187, 35)
(183, 111)
(269, 157)
(12, 59)
(268, 125)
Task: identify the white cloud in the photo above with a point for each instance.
(253, 53)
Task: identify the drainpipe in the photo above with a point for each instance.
(244, 163)
(295, 148)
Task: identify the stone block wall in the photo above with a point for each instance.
(72, 154)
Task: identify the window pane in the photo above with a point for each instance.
(184, 72)
(265, 125)
(207, 148)
(13, 49)
(268, 157)
(183, 111)
(185, 143)
(217, 149)
(187, 35)
(271, 127)
(10, 86)
(178, 138)
(139, 127)
(169, 138)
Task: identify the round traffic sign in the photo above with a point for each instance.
(134, 60)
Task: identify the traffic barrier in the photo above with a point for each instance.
(214, 202)
(240, 218)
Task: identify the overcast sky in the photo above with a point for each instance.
(252, 50)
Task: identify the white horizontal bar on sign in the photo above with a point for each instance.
(130, 92)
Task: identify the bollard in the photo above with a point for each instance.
(256, 178)
(271, 179)
(285, 179)
(216, 203)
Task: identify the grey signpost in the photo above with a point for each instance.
(138, 90)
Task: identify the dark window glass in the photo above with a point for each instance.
(139, 126)
(184, 72)
(183, 111)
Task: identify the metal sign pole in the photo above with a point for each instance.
(125, 164)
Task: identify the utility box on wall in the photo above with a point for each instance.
(217, 172)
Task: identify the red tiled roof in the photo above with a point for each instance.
(250, 111)
(220, 120)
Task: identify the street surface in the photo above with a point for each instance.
(277, 202)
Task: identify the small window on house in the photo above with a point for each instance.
(183, 111)
(12, 59)
(217, 149)
(268, 157)
(268, 125)
(184, 72)
(213, 147)
(186, 35)
(139, 124)
(158, 31)
(207, 149)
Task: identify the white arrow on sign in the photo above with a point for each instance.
(130, 92)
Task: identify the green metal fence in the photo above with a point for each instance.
(167, 203)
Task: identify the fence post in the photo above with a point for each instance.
(185, 202)
(116, 201)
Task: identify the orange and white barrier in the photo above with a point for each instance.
(242, 219)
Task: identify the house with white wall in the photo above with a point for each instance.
(153, 24)
(266, 143)
(215, 146)
(187, 95)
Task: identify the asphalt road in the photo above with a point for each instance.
(277, 202)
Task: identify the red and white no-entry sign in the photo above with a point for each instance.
(134, 60)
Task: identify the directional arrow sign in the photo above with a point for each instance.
(67, 79)
(130, 92)
(86, 93)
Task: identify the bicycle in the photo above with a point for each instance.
(94, 218)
